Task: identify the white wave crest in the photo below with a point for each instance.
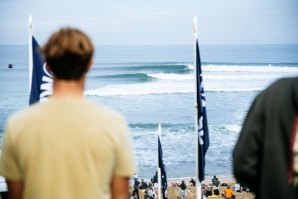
(170, 87)
(244, 68)
(237, 68)
(171, 76)
(233, 127)
(190, 66)
(217, 79)
(142, 89)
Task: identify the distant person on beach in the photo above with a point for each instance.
(228, 193)
(146, 195)
(193, 182)
(143, 185)
(136, 184)
(182, 189)
(203, 191)
(263, 156)
(155, 178)
(237, 187)
(209, 191)
(151, 192)
(151, 183)
(215, 181)
(154, 182)
(67, 147)
(215, 190)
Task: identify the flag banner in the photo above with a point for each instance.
(42, 82)
(203, 134)
(161, 165)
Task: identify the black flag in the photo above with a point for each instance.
(203, 134)
(163, 174)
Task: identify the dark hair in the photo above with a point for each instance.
(68, 53)
(183, 185)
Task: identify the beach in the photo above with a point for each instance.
(173, 188)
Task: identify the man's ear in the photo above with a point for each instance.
(48, 68)
(90, 63)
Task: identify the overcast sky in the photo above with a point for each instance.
(154, 21)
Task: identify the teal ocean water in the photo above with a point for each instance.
(154, 85)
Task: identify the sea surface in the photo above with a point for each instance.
(154, 85)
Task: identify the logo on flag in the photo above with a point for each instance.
(203, 134)
(161, 165)
(41, 82)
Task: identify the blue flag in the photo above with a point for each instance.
(42, 82)
(161, 165)
(203, 134)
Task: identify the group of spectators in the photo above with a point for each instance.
(148, 188)
(212, 190)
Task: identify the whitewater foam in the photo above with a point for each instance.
(170, 87)
(171, 76)
(142, 89)
(240, 68)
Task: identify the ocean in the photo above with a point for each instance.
(154, 85)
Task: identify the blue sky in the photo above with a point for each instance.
(133, 22)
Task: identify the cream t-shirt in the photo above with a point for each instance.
(66, 149)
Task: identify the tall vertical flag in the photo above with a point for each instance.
(40, 80)
(162, 168)
(201, 120)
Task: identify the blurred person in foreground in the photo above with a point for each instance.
(264, 156)
(67, 147)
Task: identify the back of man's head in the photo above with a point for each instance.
(68, 53)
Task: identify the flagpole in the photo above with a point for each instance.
(158, 168)
(30, 50)
(198, 183)
(159, 183)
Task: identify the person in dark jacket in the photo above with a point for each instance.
(262, 158)
(215, 181)
(136, 188)
(182, 189)
(143, 185)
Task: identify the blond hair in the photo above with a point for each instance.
(68, 53)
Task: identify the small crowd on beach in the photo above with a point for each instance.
(216, 189)
(187, 189)
(149, 190)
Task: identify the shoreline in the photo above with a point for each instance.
(208, 179)
(173, 188)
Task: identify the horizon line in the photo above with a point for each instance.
(203, 44)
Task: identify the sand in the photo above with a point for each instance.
(173, 191)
